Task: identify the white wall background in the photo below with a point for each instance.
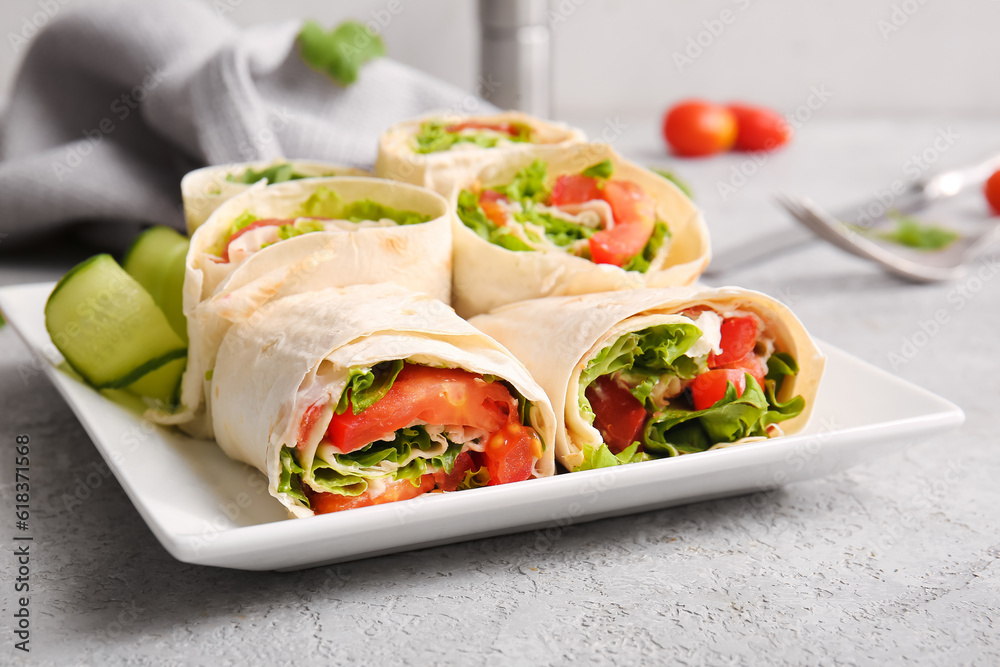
(618, 56)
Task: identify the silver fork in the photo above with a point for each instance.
(948, 264)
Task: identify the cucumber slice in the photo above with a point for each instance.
(107, 326)
(162, 384)
(156, 260)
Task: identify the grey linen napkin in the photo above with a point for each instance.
(113, 104)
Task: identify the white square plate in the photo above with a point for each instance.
(205, 508)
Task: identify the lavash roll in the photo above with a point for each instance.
(439, 171)
(296, 350)
(556, 337)
(487, 275)
(217, 295)
(204, 190)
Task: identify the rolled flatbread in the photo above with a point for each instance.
(370, 231)
(442, 405)
(674, 370)
(488, 275)
(439, 150)
(203, 190)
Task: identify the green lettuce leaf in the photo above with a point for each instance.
(365, 386)
(673, 431)
(298, 228)
(603, 169)
(244, 219)
(601, 457)
(323, 203)
(642, 261)
(434, 137)
(779, 366)
(527, 184)
(559, 231)
(366, 209)
(473, 217)
(475, 479)
(681, 184)
(341, 52)
(277, 173)
(645, 356)
(290, 477)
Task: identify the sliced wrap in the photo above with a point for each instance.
(402, 156)
(488, 274)
(282, 377)
(203, 190)
(624, 367)
(219, 293)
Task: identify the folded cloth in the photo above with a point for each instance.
(113, 104)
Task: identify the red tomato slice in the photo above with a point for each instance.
(618, 415)
(630, 203)
(494, 205)
(324, 503)
(510, 453)
(751, 364)
(447, 396)
(739, 336)
(269, 222)
(506, 128)
(574, 189)
(709, 388)
(635, 216)
(450, 481)
(618, 245)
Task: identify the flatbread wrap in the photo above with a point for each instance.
(573, 221)
(274, 241)
(653, 373)
(439, 150)
(370, 394)
(203, 190)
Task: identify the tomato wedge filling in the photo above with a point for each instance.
(587, 214)
(684, 386)
(496, 449)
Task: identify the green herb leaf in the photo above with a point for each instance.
(913, 233)
(277, 173)
(682, 185)
(529, 183)
(473, 217)
(366, 386)
(601, 457)
(603, 169)
(366, 209)
(341, 52)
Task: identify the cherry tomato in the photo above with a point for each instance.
(574, 189)
(709, 388)
(510, 453)
(739, 335)
(992, 190)
(494, 205)
(759, 129)
(618, 415)
(696, 128)
(324, 503)
(449, 396)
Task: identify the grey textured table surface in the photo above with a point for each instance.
(891, 562)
